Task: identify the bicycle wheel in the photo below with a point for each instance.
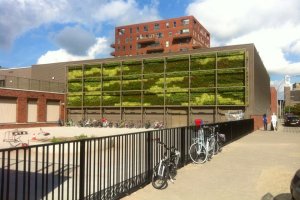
(198, 153)
(158, 181)
(172, 170)
(217, 148)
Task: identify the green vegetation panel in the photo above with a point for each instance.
(175, 83)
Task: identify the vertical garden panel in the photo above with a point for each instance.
(177, 80)
(131, 98)
(111, 83)
(231, 77)
(231, 96)
(202, 96)
(111, 99)
(91, 100)
(178, 63)
(131, 82)
(153, 99)
(203, 78)
(132, 67)
(235, 59)
(177, 98)
(74, 100)
(92, 70)
(203, 62)
(152, 66)
(111, 69)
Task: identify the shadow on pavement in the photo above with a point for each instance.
(284, 196)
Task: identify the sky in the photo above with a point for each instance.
(48, 31)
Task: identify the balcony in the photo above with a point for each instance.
(146, 40)
(197, 46)
(182, 36)
(155, 49)
(113, 45)
(113, 53)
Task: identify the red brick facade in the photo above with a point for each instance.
(171, 35)
(22, 97)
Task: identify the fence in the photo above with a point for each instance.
(95, 168)
(30, 84)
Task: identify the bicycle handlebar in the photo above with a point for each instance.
(163, 144)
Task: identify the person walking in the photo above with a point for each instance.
(274, 121)
(265, 121)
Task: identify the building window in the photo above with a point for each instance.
(137, 29)
(130, 30)
(185, 22)
(121, 31)
(159, 35)
(170, 33)
(185, 30)
(126, 40)
(167, 43)
(130, 47)
(139, 46)
(118, 41)
(167, 24)
(156, 26)
(174, 24)
(2, 83)
(146, 28)
(123, 48)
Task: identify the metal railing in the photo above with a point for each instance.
(95, 168)
(30, 84)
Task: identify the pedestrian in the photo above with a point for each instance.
(265, 121)
(274, 121)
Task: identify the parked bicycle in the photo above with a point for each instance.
(197, 151)
(205, 146)
(166, 168)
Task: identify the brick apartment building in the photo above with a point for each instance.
(170, 35)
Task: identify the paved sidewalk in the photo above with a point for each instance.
(248, 169)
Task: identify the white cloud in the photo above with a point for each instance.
(19, 16)
(75, 40)
(272, 25)
(99, 49)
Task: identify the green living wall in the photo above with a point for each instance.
(195, 80)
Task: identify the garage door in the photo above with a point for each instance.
(8, 110)
(32, 111)
(52, 111)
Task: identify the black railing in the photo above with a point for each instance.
(96, 168)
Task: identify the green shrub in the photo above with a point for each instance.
(198, 99)
(231, 59)
(81, 136)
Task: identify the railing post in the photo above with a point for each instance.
(81, 169)
(149, 154)
(183, 145)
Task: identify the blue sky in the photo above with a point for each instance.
(37, 32)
